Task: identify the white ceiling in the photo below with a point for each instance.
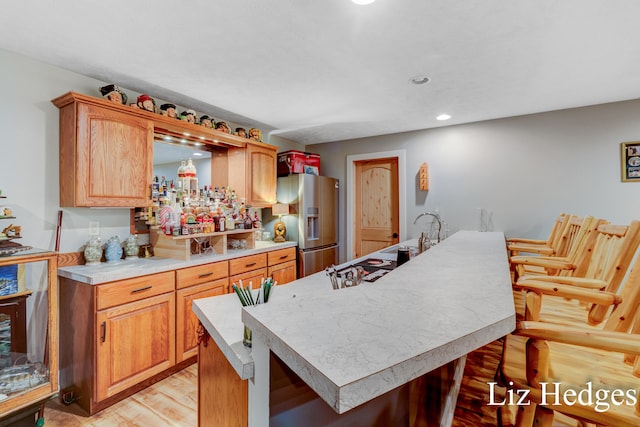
(324, 70)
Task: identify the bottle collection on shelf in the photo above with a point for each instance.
(181, 208)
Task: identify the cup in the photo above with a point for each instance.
(404, 255)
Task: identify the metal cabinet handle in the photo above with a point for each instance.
(103, 336)
(9, 304)
(251, 264)
(206, 274)
(284, 257)
(141, 289)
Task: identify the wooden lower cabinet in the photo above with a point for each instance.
(109, 349)
(283, 273)
(254, 278)
(187, 321)
(120, 337)
(249, 269)
(135, 342)
(282, 265)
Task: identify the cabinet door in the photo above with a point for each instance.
(261, 176)
(283, 273)
(113, 165)
(253, 277)
(187, 321)
(135, 341)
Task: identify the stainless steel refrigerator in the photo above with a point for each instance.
(313, 219)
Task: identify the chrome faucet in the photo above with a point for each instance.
(437, 218)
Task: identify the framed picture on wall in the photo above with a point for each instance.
(630, 164)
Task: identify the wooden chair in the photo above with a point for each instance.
(579, 238)
(613, 250)
(551, 246)
(577, 360)
(570, 350)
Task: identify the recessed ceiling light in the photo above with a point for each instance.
(443, 117)
(363, 2)
(197, 154)
(419, 80)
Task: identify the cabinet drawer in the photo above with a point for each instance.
(135, 289)
(281, 255)
(247, 263)
(200, 274)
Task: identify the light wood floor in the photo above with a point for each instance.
(173, 401)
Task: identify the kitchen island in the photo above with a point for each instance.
(368, 350)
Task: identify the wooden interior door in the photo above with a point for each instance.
(376, 210)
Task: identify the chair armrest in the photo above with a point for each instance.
(572, 292)
(582, 282)
(527, 241)
(619, 342)
(557, 263)
(518, 247)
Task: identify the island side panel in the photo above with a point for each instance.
(222, 396)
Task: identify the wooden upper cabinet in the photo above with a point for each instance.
(252, 173)
(105, 155)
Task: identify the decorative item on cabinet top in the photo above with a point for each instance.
(114, 94)
(424, 177)
(10, 233)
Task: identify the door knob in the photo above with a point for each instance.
(395, 235)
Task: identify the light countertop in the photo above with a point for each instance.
(352, 345)
(127, 268)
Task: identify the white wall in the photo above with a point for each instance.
(524, 170)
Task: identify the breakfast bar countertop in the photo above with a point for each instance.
(354, 344)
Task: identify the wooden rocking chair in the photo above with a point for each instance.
(553, 245)
(611, 256)
(579, 238)
(565, 352)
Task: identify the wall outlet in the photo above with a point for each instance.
(94, 228)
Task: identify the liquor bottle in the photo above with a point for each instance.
(230, 225)
(190, 170)
(248, 224)
(216, 222)
(256, 221)
(221, 220)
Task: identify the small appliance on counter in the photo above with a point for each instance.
(312, 219)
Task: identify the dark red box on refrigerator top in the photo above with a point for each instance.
(294, 161)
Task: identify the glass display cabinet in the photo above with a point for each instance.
(28, 331)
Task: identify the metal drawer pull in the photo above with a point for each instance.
(141, 289)
(104, 331)
(206, 274)
(9, 304)
(284, 256)
(251, 264)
